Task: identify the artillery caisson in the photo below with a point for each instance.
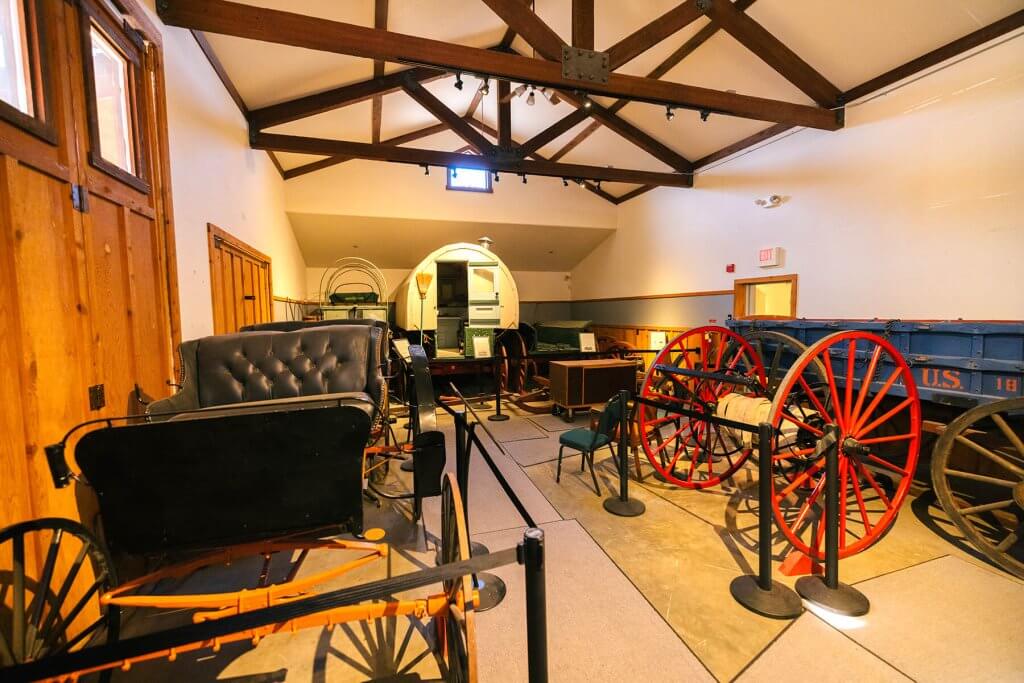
(713, 371)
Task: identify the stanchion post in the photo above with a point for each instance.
(621, 505)
(532, 550)
(829, 592)
(497, 417)
(764, 595)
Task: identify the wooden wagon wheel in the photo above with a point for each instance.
(456, 630)
(869, 498)
(687, 451)
(985, 497)
(57, 609)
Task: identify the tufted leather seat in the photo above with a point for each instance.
(271, 370)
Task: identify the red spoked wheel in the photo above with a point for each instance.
(880, 433)
(685, 450)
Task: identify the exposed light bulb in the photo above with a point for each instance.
(485, 87)
(531, 98)
(670, 113)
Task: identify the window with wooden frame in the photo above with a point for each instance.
(24, 82)
(765, 298)
(112, 60)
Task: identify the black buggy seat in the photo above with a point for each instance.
(207, 482)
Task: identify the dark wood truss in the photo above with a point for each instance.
(430, 59)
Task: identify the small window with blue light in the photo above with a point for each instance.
(469, 179)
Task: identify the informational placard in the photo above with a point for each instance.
(659, 339)
(402, 347)
(481, 347)
(588, 341)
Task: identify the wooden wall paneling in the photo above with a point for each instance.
(148, 305)
(248, 292)
(15, 493)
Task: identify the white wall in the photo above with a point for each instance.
(216, 178)
(914, 210)
(532, 285)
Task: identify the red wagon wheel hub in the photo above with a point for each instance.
(684, 449)
(870, 395)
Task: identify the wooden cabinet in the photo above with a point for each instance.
(581, 383)
(240, 283)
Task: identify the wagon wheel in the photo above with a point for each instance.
(779, 352)
(456, 630)
(688, 451)
(871, 488)
(985, 499)
(48, 612)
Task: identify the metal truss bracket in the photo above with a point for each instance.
(587, 66)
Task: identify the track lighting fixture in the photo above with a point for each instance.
(565, 183)
(485, 86)
(587, 104)
(670, 113)
(455, 172)
(458, 80)
(524, 178)
(579, 181)
(599, 184)
(531, 98)
(497, 178)
(426, 169)
(704, 114)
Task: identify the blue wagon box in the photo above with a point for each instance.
(956, 363)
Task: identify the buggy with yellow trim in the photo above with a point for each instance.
(188, 494)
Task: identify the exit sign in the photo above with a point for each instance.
(768, 257)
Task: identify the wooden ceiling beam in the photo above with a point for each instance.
(631, 133)
(937, 56)
(948, 51)
(380, 20)
(442, 113)
(586, 184)
(309, 105)
(773, 52)
(583, 24)
(335, 160)
(685, 50)
(288, 28)
(409, 155)
(525, 22)
(556, 129)
(646, 37)
(504, 115)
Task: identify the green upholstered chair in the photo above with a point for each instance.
(586, 441)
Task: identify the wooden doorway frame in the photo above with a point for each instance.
(215, 234)
(739, 310)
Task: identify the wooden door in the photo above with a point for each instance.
(240, 283)
(86, 256)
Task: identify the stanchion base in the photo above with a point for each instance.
(781, 602)
(624, 508)
(497, 418)
(407, 465)
(492, 591)
(843, 599)
(475, 550)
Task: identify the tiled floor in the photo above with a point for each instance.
(646, 598)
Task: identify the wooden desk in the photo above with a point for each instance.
(584, 383)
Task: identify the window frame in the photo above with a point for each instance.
(739, 307)
(487, 174)
(132, 48)
(40, 122)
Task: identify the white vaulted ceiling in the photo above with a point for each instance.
(847, 42)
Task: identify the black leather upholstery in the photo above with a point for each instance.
(267, 366)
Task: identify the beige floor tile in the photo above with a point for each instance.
(946, 620)
(811, 650)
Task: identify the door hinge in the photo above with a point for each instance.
(80, 198)
(97, 397)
